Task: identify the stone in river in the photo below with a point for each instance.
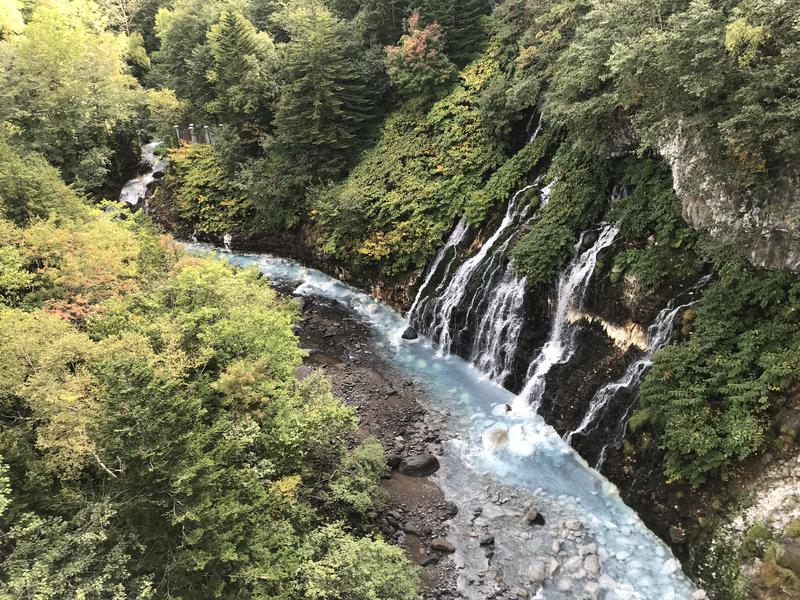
(669, 567)
(537, 572)
(487, 540)
(591, 564)
(419, 465)
(533, 517)
(410, 334)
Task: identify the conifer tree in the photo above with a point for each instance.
(324, 105)
(243, 60)
(462, 23)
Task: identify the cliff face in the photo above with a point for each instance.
(769, 228)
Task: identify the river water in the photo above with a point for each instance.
(497, 462)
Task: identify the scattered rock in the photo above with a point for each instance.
(410, 334)
(677, 534)
(591, 564)
(487, 540)
(533, 517)
(573, 524)
(451, 508)
(442, 545)
(788, 556)
(393, 460)
(669, 566)
(419, 465)
(537, 572)
(789, 424)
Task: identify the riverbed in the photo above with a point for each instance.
(497, 462)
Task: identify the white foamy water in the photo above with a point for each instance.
(524, 457)
(136, 189)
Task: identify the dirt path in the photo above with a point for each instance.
(389, 409)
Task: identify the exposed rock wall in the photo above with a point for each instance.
(769, 228)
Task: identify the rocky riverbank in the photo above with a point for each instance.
(416, 515)
(482, 540)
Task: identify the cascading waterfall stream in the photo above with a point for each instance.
(494, 345)
(456, 237)
(560, 346)
(440, 329)
(136, 189)
(659, 334)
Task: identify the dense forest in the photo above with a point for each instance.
(155, 440)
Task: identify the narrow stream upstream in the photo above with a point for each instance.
(497, 464)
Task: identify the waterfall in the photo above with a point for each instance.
(538, 128)
(495, 342)
(456, 237)
(484, 263)
(560, 346)
(659, 334)
(136, 189)
(494, 345)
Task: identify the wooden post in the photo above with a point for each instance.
(207, 133)
(192, 134)
(177, 134)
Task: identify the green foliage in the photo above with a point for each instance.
(346, 568)
(172, 391)
(64, 91)
(576, 201)
(509, 178)
(649, 218)
(463, 24)
(355, 485)
(31, 189)
(417, 66)
(398, 202)
(199, 192)
(325, 107)
(755, 541)
(709, 396)
(242, 75)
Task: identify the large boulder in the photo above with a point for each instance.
(443, 545)
(419, 465)
(410, 334)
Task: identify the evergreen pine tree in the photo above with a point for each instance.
(324, 107)
(242, 60)
(462, 22)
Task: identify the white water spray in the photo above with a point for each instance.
(136, 189)
(456, 237)
(560, 345)
(440, 328)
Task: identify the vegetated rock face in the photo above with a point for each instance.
(770, 230)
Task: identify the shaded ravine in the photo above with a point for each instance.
(592, 543)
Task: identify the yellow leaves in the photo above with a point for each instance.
(742, 40)
(82, 265)
(43, 362)
(288, 486)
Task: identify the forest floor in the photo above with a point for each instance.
(389, 409)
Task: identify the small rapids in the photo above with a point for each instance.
(498, 462)
(135, 190)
